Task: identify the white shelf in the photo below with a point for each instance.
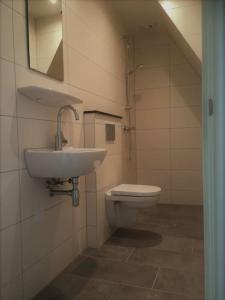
(47, 96)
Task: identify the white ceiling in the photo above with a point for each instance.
(135, 14)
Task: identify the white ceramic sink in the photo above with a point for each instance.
(66, 163)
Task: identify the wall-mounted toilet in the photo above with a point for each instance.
(124, 200)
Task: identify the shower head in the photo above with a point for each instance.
(140, 66)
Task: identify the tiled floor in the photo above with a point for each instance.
(163, 262)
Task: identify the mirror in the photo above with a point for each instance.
(45, 41)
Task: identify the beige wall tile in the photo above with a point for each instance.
(40, 274)
(91, 209)
(165, 197)
(34, 134)
(19, 6)
(187, 180)
(153, 139)
(34, 196)
(92, 241)
(152, 98)
(77, 30)
(20, 39)
(186, 159)
(148, 78)
(169, 137)
(7, 2)
(154, 159)
(45, 231)
(186, 117)
(10, 254)
(186, 138)
(8, 93)
(156, 177)
(153, 57)
(6, 33)
(184, 75)
(186, 95)
(148, 38)
(177, 57)
(9, 199)
(152, 119)
(9, 144)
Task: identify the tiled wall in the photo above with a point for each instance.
(115, 169)
(40, 235)
(168, 119)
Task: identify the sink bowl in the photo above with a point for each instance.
(66, 163)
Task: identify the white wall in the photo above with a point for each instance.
(40, 235)
(115, 169)
(168, 119)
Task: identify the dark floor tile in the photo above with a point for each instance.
(134, 238)
(179, 282)
(114, 271)
(125, 292)
(109, 251)
(153, 227)
(64, 287)
(97, 290)
(167, 259)
(159, 295)
(175, 244)
(50, 293)
(186, 229)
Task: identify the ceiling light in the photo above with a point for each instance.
(53, 1)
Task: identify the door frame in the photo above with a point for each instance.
(213, 103)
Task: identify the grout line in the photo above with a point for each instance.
(18, 159)
(103, 68)
(168, 86)
(170, 107)
(156, 276)
(130, 254)
(49, 252)
(90, 92)
(173, 128)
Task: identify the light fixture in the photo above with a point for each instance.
(53, 1)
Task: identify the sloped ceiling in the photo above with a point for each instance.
(135, 14)
(184, 21)
(182, 18)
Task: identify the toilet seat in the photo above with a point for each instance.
(132, 192)
(124, 201)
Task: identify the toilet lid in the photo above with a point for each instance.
(135, 190)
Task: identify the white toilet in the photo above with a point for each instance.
(124, 200)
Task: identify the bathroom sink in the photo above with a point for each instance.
(66, 163)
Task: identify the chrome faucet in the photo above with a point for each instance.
(60, 139)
